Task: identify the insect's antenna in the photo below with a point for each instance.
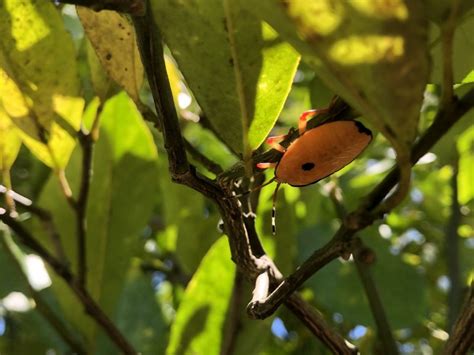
(255, 188)
(274, 208)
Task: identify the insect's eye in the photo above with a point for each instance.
(307, 166)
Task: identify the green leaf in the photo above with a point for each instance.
(373, 54)
(28, 331)
(237, 67)
(12, 278)
(139, 316)
(463, 47)
(201, 315)
(39, 83)
(122, 194)
(113, 39)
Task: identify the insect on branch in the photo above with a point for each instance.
(362, 217)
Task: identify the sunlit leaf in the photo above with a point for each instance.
(9, 143)
(237, 67)
(372, 53)
(465, 148)
(113, 39)
(39, 83)
(201, 316)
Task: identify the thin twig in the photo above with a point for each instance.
(452, 251)
(318, 326)
(363, 259)
(43, 307)
(63, 271)
(361, 218)
(462, 336)
(86, 140)
(201, 158)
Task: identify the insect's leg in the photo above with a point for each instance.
(273, 142)
(305, 116)
(266, 165)
(275, 194)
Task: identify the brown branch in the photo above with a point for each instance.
(87, 141)
(63, 271)
(132, 7)
(462, 336)
(318, 326)
(363, 258)
(240, 230)
(362, 217)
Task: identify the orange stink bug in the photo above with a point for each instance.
(316, 153)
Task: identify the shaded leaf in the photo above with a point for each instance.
(200, 318)
(39, 84)
(138, 315)
(237, 67)
(122, 194)
(337, 287)
(463, 50)
(188, 218)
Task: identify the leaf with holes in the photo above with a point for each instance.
(113, 39)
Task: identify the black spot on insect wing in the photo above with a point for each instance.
(362, 129)
(307, 166)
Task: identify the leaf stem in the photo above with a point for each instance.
(239, 81)
(44, 216)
